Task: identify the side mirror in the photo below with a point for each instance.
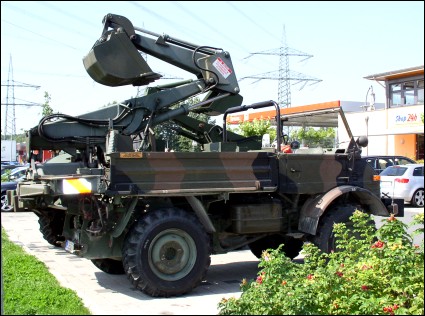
(362, 141)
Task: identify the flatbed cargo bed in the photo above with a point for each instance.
(194, 172)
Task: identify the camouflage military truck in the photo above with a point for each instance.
(158, 216)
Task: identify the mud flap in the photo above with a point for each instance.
(117, 62)
(394, 206)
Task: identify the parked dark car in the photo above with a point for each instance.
(380, 162)
(4, 168)
(5, 205)
(16, 175)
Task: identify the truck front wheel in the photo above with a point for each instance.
(167, 253)
(325, 238)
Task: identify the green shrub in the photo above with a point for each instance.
(379, 274)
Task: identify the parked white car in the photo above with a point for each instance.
(404, 182)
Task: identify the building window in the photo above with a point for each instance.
(395, 90)
(420, 92)
(407, 93)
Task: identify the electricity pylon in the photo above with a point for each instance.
(9, 118)
(284, 75)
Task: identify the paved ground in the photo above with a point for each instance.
(106, 294)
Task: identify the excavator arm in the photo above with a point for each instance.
(115, 60)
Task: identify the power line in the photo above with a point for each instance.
(251, 20)
(47, 21)
(50, 39)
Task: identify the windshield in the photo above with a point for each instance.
(394, 171)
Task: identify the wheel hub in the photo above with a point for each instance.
(172, 254)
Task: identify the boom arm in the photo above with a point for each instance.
(115, 60)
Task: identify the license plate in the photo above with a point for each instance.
(69, 246)
(386, 184)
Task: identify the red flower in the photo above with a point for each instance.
(378, 244)
(284, 282)
(310, 276)
(259, 279)
(389, 310)
(339, 273)
(365, 288)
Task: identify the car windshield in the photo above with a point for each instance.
(394, 171)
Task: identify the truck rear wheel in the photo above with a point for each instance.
(109, 266)
(51, 226)
(291, 248)
(325, 239)
(167, 253)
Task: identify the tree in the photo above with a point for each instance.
(165, 132)
(47, 109)
(257, 127)
(322, 137)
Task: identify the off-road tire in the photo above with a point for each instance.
(291, 248)
(109, 266)
(418, 198)
(166, 253)
(325, 239)
(51, 226)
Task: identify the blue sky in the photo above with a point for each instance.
(348, 40)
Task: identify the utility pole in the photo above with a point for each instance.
(10, 118)
(284, 75)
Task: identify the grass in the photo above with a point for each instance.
(28, 288)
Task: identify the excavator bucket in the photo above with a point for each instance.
(117, 62)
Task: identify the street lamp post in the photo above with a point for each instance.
(367, 132)
(369, 107)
